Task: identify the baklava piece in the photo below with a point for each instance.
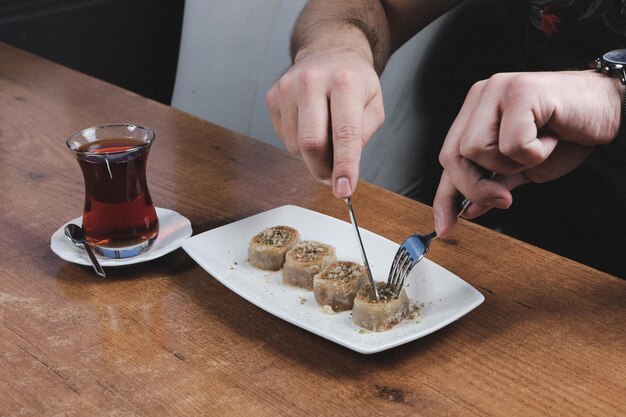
(304, 261)
(267, 248)
(337, 284)
(379, 315)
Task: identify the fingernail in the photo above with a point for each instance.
(438, 223)
(342, 187)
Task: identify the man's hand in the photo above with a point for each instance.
(325, 108)
(524, 127)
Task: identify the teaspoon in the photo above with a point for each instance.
(77, 235)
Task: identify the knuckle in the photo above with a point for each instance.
(523, 153)
(445, 158)
(500, 78)
(310, 79)
(518, 87)
(511, 148)
(311, 143)
(284, 86)
(347, 132)
(468, 150)
(477, 87)
(343, 78)
(270, 99)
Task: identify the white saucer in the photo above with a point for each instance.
(173, 229)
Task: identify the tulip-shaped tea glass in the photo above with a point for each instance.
(119, 218)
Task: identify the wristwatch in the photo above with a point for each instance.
(613, 64)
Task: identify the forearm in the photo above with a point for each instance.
(351, 25)
(375, 28)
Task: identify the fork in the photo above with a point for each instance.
(410, 253)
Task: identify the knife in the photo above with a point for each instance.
(348, 201)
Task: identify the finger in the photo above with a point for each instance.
(313, 137)
(480, 139)
(374, 116)
(445, 206)
(507, 181)
(347, 121)
(470, 180)
(271, 100)
(283, 113)
(566, 157)
(450, 148)
(519, 139)
(289, 126)
(461, 173)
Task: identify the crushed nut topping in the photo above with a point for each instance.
(342, 271)
(308, 251)
(275, 236)
(384, 292)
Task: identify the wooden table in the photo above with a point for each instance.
(166, 339)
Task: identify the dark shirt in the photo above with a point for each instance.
(583, 214)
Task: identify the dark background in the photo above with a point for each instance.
(130, 43)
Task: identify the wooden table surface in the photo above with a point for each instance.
(164, 338)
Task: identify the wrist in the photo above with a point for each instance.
(348, 40)
(617, 96)
(619, 142)
(613, 64)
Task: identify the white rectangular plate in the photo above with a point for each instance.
(442, 296)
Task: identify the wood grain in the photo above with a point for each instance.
(164, 338)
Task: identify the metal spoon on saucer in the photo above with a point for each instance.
(77, 235)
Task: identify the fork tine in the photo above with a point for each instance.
(394, 267)
(404, 273)
(403, 263)
(400, 285)
(410, 254)
(399, 265)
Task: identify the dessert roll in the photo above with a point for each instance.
(304, 261)
(337, 284)
(379, 315)
(267, 248)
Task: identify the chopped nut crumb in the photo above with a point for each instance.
(384, 292)
(327, 309)
(342, 271)
(276, 236)
(302, 300)
(308, 251)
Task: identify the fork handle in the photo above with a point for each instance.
(464, 205)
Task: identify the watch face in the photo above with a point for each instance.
(616, 57)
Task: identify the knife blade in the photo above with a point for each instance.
(348, 201)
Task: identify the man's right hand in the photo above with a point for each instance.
(325, 108)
